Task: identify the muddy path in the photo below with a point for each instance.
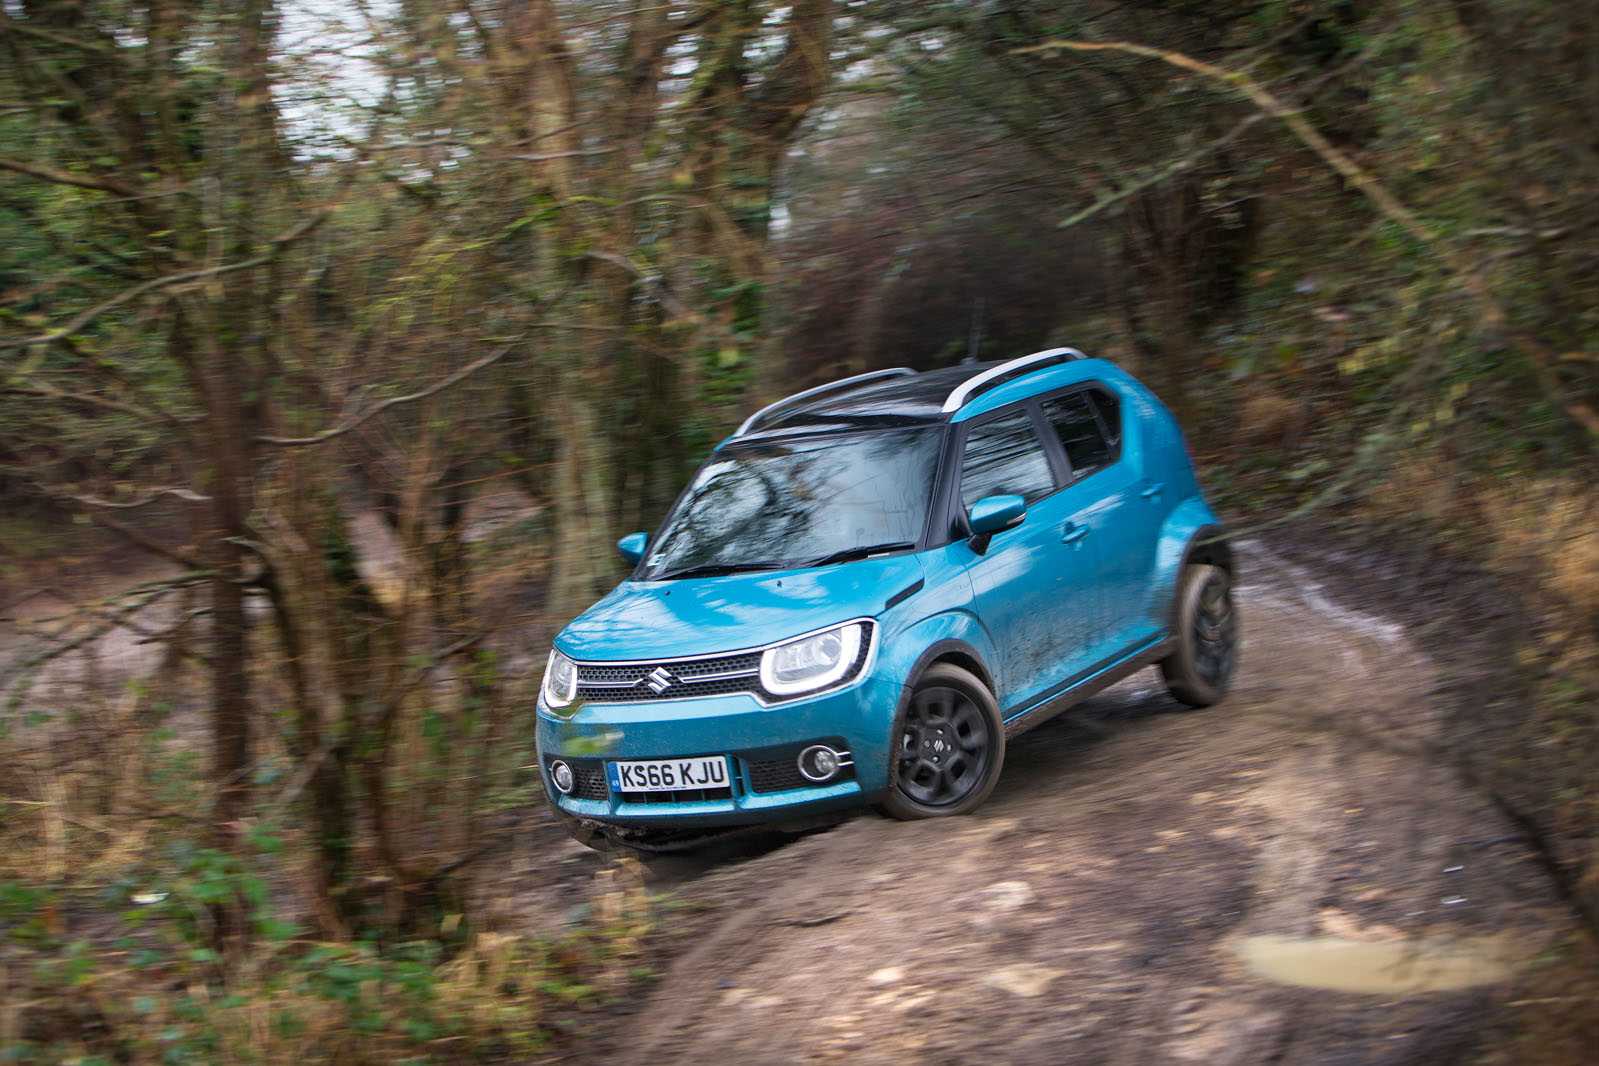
(1147, 885)
(1291, 877)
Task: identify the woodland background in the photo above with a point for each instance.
(480, 281)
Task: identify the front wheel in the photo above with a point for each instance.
(1199, 669)
(951, 745)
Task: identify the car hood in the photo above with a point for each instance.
(708, 615)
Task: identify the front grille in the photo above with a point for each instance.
(687, 795)
(681, 679)
(634, 682)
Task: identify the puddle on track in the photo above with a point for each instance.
(1402, 967)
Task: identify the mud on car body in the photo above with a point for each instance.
(871, 585)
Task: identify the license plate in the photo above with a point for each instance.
(668, 775)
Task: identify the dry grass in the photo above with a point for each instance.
(1269, 418)
(1552, 1016)
(1548, 532)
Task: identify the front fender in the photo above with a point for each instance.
(955, 634)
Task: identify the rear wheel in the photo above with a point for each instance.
(950, 747)
(1199, 669)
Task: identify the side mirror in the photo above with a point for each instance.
(631, 547)
(994, 514)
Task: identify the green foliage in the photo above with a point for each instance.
(160, 995)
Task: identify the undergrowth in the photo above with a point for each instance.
(134, 930)
(129, 971)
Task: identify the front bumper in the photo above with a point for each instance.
(762, 741)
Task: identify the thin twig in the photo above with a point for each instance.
(51, 393)
(28, 668)
(394, 401)
(1489, 310)
(156, 494)
(437, 387)
(1160, 175)
(41, 34)
(61, 177)
(82, 319)
(296, 784)
(547, 156)
(148, 543)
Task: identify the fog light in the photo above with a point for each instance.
(820, 763)
(561, 774)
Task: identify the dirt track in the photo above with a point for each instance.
(1094, 909)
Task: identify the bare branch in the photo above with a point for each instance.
(17, 601)
(148, 543)
(51, 393)
(171, 490)
(61, 177)
(437, 387)
(40, 34)
(653, 281)
(361, 416)
(547, 156)
(82, 319)
(296, 785)
(128, 603)
(1489, 310)
(1159, 175)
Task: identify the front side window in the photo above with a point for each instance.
(1080, 421)
(1004, 458)
(804, 502)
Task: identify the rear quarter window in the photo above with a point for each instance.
(1088, 425)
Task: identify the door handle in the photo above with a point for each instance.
(1149, 492)
(1073, 533)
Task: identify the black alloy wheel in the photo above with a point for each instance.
(1200, 669)
(950, 747)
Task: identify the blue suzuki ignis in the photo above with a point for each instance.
(872, 585)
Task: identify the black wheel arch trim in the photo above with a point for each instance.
(1210, 544)
(959, 652)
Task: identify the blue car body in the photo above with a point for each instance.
(1076, 595)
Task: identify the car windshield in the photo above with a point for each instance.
(801, 502)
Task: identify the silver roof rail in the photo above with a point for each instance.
(965, 390)
(788, 401)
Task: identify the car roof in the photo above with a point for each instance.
(903, 397)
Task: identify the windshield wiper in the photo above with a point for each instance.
(718, 569)
(861, 552)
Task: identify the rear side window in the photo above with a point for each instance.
(1005, 457)
(1089, 427)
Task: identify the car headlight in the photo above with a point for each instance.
(560, 680)
(812, 662)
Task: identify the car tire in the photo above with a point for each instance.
(948, 748)
(1200, 667)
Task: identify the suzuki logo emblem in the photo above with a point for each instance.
(659, 680)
